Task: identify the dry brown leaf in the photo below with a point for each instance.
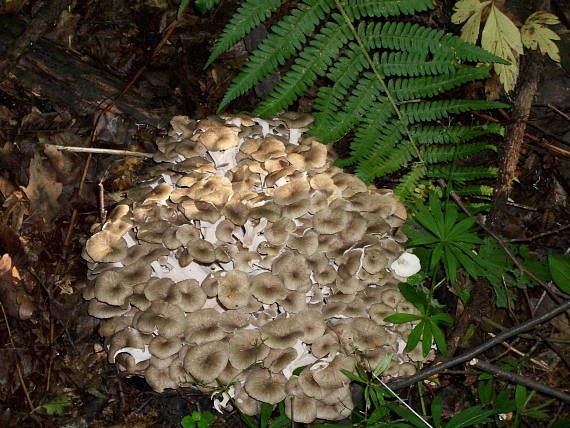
(16, 301)
(43, 190)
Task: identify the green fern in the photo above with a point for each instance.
(383, 77)
(246, 18)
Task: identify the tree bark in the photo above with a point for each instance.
(514, 136)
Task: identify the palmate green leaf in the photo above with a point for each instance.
(466, 262)
(449, 218)
(265, 414)
(436, 256)
(442, 318)
(205, 5)
(436, 408)
(462, 227)
(437, 213)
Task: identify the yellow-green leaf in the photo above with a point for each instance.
(500, 30)
(465, 9)
(542, 17)
(470, 31)
(536, 36)
(502, 38)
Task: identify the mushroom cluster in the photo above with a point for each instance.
(246, 257)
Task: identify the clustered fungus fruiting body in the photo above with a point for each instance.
(246, 257)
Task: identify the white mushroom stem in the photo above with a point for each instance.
(304, 358)
(222, 400)
(137, 353)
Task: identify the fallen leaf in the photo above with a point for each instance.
(43, 190)
(16, 301)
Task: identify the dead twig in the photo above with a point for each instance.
(520, 380)
(538, 235)
(100, 151)
(467, 356)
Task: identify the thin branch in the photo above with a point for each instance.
(18, 368)
(501, 337)
(100, 151)
(521, 380)
(539, 235)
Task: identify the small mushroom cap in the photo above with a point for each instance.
(293, 271)
(278, 359)
(159, 379)
(110, 288)
(301, 408)
(379, 311)
(231, 320)
(206, 361)
(136, 273)
(312, 323)
(157, 288)
(248, 405)
(294, 191)
(234, 289)
(296, 120)
(218, 138)
(106, 247)
(187, 295)
(281, 333)
(102, 310)
(163, 348)
(265, 386)
(267, 288)
(406, 265)
(329, 221)
(202, 251)
(203, 326)
(327, 344)
(332, 376)
(246, 348)
(166, 318)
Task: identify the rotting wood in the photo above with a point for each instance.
(47, 70)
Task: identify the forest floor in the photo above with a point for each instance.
(51, 357)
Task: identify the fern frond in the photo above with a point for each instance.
(414, 64)
(420, 87)
(365, 94)
(418, 39)
(248, 16)
(205, 5)
(453, 134)
(374, 8)
(447, 153)
(461, 174)
(343, 74)
(473, 190)
(386, 163)
(410, 181)
(426, 111)
(311, 62)
(286, 38)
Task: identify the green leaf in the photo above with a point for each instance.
(520, 397)
(560, 270)
(402, 318)
(182, 7)
(265, 414)
(439, 337)
(442, 318)
(470, 417)
(280, 421)
(353, 376)
(414, 337)
(436, 407)
(57, 406)
(427, 338)
(205, 5)
(383, 365)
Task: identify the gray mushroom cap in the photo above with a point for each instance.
(206, 361)
(265, 386)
